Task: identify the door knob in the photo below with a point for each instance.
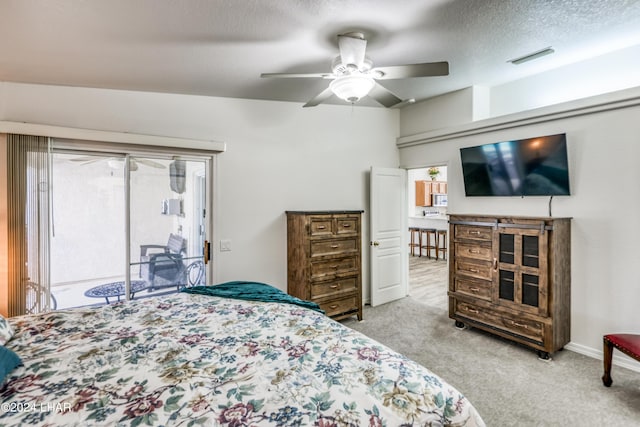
(375, 243)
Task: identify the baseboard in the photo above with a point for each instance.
(619, 359)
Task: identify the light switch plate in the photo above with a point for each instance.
(225, 245)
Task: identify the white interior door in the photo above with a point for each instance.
(388, 219)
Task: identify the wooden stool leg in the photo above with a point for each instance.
(441, 244)
(608, 355)
(428, 245)
(413, 242)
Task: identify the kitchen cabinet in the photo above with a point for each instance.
(425, 190)
(511, 276)
(439, 187)
(324, 260)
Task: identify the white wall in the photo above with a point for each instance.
(605, 203)
(439, 112)
(279, 157)
(611, 72)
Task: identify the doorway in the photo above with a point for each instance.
(427, 209)
(126, 224)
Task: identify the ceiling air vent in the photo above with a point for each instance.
(531, 56)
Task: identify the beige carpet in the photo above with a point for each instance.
(507, 383)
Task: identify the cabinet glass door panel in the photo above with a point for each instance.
(530, 290)
(520, 283)
(507, 248)
(530, 251)
(507, 287)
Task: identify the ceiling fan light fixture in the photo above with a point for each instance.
(352, 88)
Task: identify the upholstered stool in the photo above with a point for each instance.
(428, 240)
(441, 244)
(415, 240)
(629, 344)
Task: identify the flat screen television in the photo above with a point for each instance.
(525, 167)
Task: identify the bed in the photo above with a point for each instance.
(191, 359)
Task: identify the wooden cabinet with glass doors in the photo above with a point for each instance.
(511, 276)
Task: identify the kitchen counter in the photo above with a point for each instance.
(439, 222)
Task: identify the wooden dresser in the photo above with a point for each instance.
(511, 276)
(324, 260)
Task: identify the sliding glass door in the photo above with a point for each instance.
(126, 225)
(87, 231)
(168, 223)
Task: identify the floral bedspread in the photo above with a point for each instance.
(198, 360)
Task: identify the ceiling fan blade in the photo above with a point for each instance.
(384, 96)
(352, 48)
(427, 69)
(299, 75)
(87, 159)
(320, 98)
(150, 163)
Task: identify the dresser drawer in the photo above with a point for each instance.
(477, 269)
(339, 306)
(527, 328)
(330, 268)
(333, 247)
(347, 225)
(476, 288)
(321, 226)
(333, 287)
(474, 251)
(471, 232)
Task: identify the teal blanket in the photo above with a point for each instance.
(252, 291)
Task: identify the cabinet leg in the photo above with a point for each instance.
(543, 355)
(459, 324)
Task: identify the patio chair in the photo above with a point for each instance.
(163, 265)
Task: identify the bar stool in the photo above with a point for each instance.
(441, 244)
(429, 240)
(416, 241)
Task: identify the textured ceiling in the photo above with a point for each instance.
(220, 47)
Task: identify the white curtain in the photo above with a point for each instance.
(28, 163)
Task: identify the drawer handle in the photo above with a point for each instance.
(473, 270)
(333, 306)
(520, 325)
(474, 251)
(335, 286)
(495, 264)
(476, 290)
(346, 225)
(475, 232)
(321, 227)
(335, 246)
(334, 266)
(472, 310)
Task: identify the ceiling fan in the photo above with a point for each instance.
(354, 77)
(118, 162)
